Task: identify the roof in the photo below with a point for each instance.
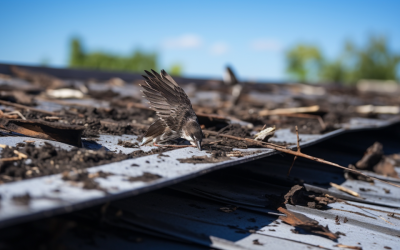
(185, 199)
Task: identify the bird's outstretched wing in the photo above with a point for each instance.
(230, 77)
(168, 99)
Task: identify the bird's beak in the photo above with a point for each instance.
(198, 144)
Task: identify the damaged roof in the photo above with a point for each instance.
(232, 208)
(235, 208)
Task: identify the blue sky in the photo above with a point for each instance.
(203, 36)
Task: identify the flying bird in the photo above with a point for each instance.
(176, 118)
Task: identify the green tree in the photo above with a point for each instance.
(304, 63)
(375, 60)
(176, 69)
(77, 55)
(341, 69)
(137, 61)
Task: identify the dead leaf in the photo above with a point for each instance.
(306, 223)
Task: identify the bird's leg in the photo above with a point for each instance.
(172, 146)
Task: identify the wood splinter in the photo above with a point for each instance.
(346, 190)
(172, 146)
(20, 155)
(348, 247)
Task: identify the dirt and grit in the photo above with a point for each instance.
(48, 160)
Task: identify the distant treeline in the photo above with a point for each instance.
(135, 62)
(304, 62)
(375, 60)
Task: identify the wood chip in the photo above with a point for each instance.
(341, 188)
(310, 109)
(306, 223)
(349, 247)
(20, 155)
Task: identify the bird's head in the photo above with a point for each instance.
(193, 133)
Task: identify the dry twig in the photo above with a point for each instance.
(349, 191)
(288, 151)
(215, 142)
(289, 110)
(19, 154)
(380, 217)
(52, 118)
(16, 112)
(349, 247)
(12, 115)
(368, 208)
(10, 159)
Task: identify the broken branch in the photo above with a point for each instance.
(288, 151)
(250, 141)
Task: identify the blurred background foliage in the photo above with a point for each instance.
(375, 60)
(176, 69)
(304, 62)
(135, 62)
(138, 61)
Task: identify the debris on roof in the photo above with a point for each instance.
(65, 151)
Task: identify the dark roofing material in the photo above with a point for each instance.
(190, 212)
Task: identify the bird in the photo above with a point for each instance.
(230, 77)
(176, 117)
(231, 80)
